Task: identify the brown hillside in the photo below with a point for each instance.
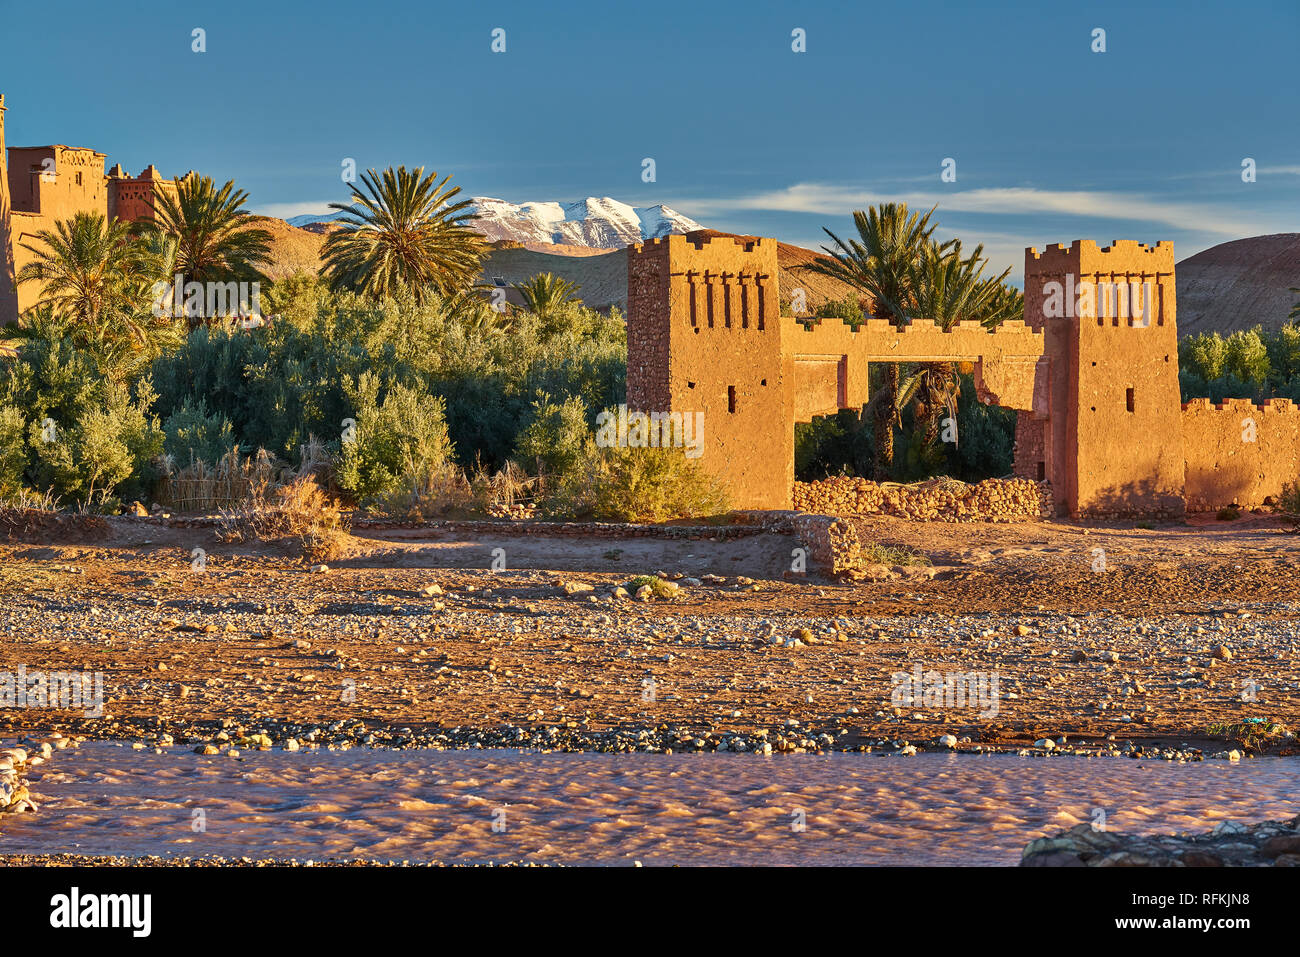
(600, 274)
(1239, 284)
(293, 250)
(602, 277)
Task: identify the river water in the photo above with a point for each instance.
(480, 806)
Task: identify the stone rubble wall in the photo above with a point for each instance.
(833, 543)
(941, 500)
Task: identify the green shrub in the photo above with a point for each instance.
(553, 442)
(848, 309)
(104, 456)
(986, 436)
(1246, 356)
(85, 439)
(281, 384)
(399, 438)
(1288, 505)
(658, 587)
(195, 435)
(635, 485)
(13, 452)
(1252, 364)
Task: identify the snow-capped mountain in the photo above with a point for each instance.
(597, 223)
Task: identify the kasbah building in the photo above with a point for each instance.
(1099, 411)
(40, 185)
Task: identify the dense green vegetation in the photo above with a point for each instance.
(1253, 364)
(396, 385)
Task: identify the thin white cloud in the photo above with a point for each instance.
(832, 200)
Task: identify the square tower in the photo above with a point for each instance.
(1112, 440)
(705, 335)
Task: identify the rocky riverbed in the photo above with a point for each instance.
(1183, 648)
(464, 658)
(1229, 844)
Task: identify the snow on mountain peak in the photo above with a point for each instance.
(597, 222)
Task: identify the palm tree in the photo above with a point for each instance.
(545, 293)
(946, 287)
(99, 280)
(216, 240)
(891, 240)
(402, 232)
(84, 266)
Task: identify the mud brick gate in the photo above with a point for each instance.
(1095, 382)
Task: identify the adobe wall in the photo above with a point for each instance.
(1238, 452)
(135, 199)
(1029, 453)
(832, 359)
(1099, 390)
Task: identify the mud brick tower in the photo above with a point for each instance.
(1112, 438)
(704, 334)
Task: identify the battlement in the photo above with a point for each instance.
(1271, 407)
(677, 242)
(1164, 246)
(1085, 256)
(914, 327)
(1100, 415)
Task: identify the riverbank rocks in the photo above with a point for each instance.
(935, 500)
(15, 798)
(1229, 844)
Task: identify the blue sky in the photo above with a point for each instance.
(1052, 141)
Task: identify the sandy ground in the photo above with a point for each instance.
(257, 636)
